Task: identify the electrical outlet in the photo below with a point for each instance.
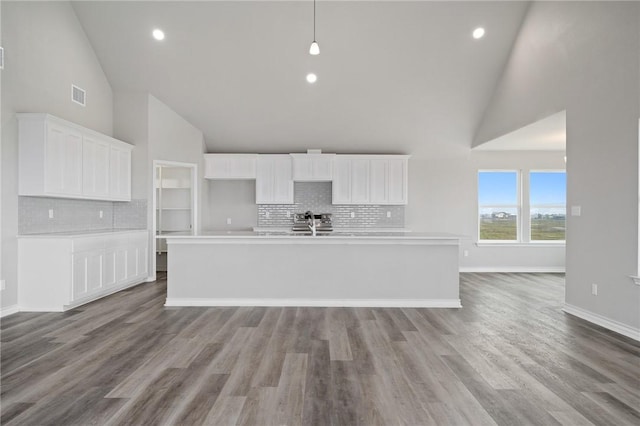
(465, 253)
(50, 213)
(3, 285)
(576, 210)
(594, 289)
(267, 214)
(388, 214)
(101, 214)
(228, 221)
(288, 213)
(353, 214)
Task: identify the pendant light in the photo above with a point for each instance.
(314, 49)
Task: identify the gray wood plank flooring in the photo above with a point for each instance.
(509, 357)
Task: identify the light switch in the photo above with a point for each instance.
(50, 213)
(228, 221)
(101, 214)
(576, 210)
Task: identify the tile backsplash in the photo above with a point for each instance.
(316, 196)
(78, 215)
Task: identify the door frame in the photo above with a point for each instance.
(194, 204)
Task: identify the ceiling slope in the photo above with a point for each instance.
(393, 77)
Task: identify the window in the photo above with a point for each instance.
(547, 204)
(521, 207)
(498, 205)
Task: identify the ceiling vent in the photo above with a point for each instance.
(1, 58)
(78, 95)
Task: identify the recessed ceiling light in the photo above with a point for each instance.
(478, 33)
(158, 34)
(312, 78)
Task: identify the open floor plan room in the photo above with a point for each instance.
(510, 357)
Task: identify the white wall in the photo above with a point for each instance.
(46, 50)
(234, 199)
(158, 133)
(584, 57)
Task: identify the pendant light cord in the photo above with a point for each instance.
(314, 20)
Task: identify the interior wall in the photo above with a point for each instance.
(46, 50)
(172, 138)
(584, 57)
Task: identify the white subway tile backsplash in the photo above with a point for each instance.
(78, 215)
(316, 196)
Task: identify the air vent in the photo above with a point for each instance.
(78, 95)
(1, 58)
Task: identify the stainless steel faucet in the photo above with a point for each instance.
(311, 222)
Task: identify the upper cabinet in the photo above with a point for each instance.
(370, 179)
(230, 166)
(274, 182)
(313, 167)
(61, 159)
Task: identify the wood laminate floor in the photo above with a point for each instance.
(509, 357)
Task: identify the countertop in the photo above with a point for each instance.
(331, 236)
(75, 234)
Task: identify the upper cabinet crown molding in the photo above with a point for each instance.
(61, 159)
(230, 166)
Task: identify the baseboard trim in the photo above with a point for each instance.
(515, 269)
(609, 324)
(355, 303)
(9, 310)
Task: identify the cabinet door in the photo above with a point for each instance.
(378, 181)
(132, 263)
(94, 271)
(302, 168)
(274, 183)
(109, 269)
(79, 277)
(283, 180)
(120, 265)
(341, 187)
(397, 181)
(95, 167)
(120, 173)
(63, 161)
(265, 180)
(322, 168)
(359, 181)
(142, 260)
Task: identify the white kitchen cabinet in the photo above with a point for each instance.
(274, 181)
(230, 166)
(312, 167)
(61, 159)
(58, 272)
(96, 157)
(370, 179)
(120, 174)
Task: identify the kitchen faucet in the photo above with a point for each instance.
(311, 222)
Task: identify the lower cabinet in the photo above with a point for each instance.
(61, 272)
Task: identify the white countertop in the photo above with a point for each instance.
(290, 236)
(75, 234)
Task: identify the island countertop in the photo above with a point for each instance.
(303, 238)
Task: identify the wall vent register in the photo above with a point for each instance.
(78, 95)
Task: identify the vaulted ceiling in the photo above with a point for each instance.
(393, 77)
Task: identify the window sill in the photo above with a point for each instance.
(518, 244)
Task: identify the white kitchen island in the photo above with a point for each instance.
(378, 269)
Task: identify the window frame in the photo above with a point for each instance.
(530, 206)
(517, 206)
(523, 209)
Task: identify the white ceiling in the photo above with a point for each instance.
(548, 134)
(393, 77)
